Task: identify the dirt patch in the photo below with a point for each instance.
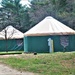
(68, 63)
(5, 70)
(6, 56)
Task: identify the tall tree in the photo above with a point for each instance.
(14, 7)
(16, 13)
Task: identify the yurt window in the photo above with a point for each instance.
(20, 42)
(64, 41)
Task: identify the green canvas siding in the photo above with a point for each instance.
(26, 44)
(11, 45)
(56, 44)
(40, 43)
(72, 43)
(35, 44)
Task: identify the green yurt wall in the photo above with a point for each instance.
(35, 44)
(40, 44)
(11, 45)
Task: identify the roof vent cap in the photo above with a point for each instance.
(49, 17)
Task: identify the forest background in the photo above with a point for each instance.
(23, 17)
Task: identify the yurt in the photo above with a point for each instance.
(49, 35)
(11, 39)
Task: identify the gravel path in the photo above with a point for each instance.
(5, 70)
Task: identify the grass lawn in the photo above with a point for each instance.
(11, 52)
(45, 64)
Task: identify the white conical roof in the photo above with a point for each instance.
(49, 26)
(12, 33)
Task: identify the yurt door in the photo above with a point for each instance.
(50, 44)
